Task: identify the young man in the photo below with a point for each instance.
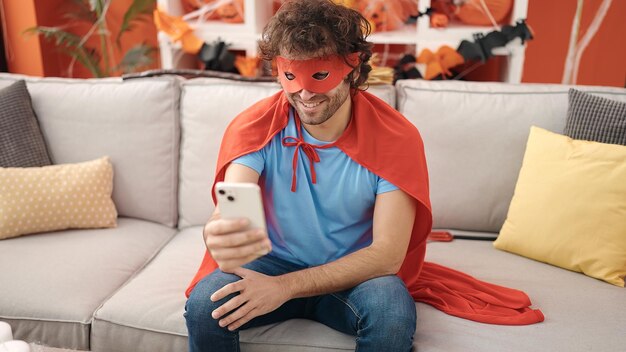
(346, 197)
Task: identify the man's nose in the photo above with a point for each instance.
(306, 95)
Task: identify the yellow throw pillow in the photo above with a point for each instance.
(569, 206)
(57, 197)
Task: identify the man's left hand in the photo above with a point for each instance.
(258, 294)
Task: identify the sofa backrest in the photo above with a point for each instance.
(475, 137)
(135, 122)
(207, 106)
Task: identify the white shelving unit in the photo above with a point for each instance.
(244, 36)
(433, 38)
(240, 36)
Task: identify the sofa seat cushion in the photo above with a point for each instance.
(52, 283)
(582, 313)
(147, 313)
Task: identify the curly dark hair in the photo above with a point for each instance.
(320, 28)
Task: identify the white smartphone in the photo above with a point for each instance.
(241, 200)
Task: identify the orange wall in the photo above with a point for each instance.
(23, 52)
(33, 56)
(53, 61)
(604, 60)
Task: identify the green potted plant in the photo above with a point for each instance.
(99, 59)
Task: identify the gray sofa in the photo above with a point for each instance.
(122, 289)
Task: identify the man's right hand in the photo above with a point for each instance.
(231, 245)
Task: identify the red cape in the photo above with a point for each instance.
(380, 139)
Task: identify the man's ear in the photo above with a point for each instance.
(356, 74)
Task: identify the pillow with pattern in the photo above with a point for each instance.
(56, 197)
(21, 141)
(595, 118)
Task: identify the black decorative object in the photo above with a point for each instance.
(520, 30)
(481, 48)
(405, 69)
(216, 57)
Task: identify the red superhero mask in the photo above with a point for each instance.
(315, 75)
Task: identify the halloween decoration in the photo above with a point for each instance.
(380, 75)
(481, 48)
(351, 4)
(474, 12)
(520, 30)
(230, 11)
(387, 15)
(406, 68)
(438, 20)
(439, 65)
(247, 66)
(215, 56)
(178, 30)
(440, 62)
(483, 12)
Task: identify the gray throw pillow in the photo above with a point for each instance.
(21, 141)
(595, 118)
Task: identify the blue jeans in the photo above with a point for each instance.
(379, 312)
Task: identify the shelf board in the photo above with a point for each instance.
(405, 35)
(454, 32)
(221, 27)
(235, 41)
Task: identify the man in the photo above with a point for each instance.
(346, 196)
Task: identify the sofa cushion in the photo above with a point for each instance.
(207, 106)
(569, 206)
(582, 314)
(147, 313)
(135, 122)
(21, 141)
(53, 283)
(56, 197)
(595, 118)
(152, 303)
(474, 137)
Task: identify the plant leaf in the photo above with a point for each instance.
(61, 37)
(87, 57)
(68, 43)
(136, 57)
(136, 9)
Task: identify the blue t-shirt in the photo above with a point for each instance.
(321, 222)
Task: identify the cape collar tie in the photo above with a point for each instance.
(307, 148)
